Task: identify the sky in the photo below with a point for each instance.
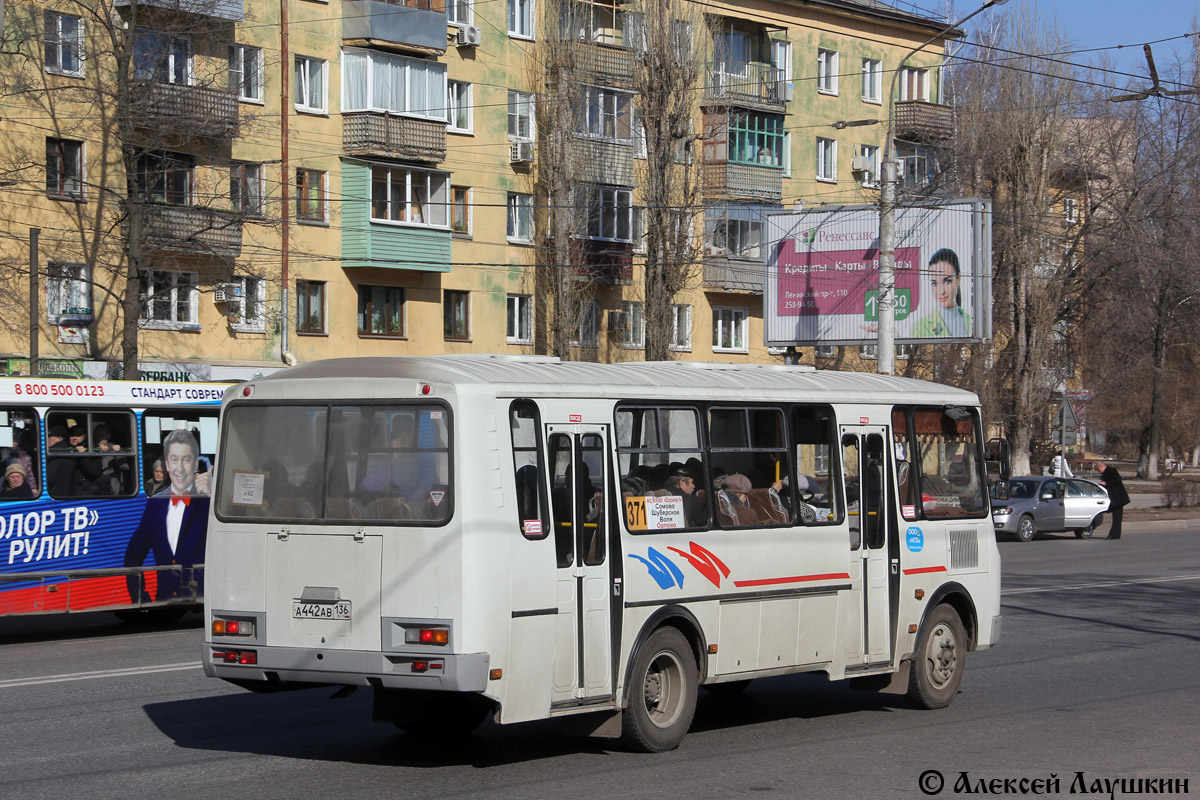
(1103, 24)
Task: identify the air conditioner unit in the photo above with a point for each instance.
(470, 36)
(226, 292)
(861, 164)
(520, 153)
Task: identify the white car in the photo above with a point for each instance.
(1048, 504)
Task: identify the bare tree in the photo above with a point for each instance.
(669, 68)
(158, 126)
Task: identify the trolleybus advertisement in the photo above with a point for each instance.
(822, 275)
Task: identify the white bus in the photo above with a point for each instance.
(539, 539)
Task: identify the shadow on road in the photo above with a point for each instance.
(306, 725)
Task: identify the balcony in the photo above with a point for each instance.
(420, 24)
(735, 181)
(231, 10)
(745, 83)
(374, 133)
(184, 111)
(192, 229)
(919, 121)
(733, 274)
(606, 65)
(602, 261)
(603, 161)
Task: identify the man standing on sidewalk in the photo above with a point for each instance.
(1118, 498)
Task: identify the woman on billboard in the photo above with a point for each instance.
(948, 318)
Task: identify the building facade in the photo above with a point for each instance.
(271, 183)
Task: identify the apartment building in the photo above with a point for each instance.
(281, 182)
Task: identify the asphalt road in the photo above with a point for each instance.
(1096, 674)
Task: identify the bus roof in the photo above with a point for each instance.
(535, 376)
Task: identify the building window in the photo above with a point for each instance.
(375, 81)
(165, 177)
(903, 351)
(588, 329)
(456, 315)
(872, 78)
(162, 57)
(458, 106)
(729, 330)
(825, 351)
(914, 84)
(787, 155)
(681, 327)
(520, 18)
(520, 217)
(458, 12)
(310, 306)
(381, 311)
(734, 230)
(413, 196)
(64, 168)
(1071, 210)
(826, 159)
(827, 71)
(64, 43)
(631, 321)
(460, 209)
(245, 72)
(609, 213)
(756, 138)
(520, 319)
(168, 298)
(868, 352)
(310, 85)
(310, 195)
(520, 116)
(68, 290)
(248, 312)
(870, 176)
(608, 114)
(246, 189)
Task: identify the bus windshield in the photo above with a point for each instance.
(387, 463)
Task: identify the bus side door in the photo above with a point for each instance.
(579, 510)
(868, 488)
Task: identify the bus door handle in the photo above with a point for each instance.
(895, 566)
(284, 532)
(578, 572)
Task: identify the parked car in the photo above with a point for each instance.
(1049, 504)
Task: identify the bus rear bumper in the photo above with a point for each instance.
(452, 672)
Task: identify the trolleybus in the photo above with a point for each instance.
(87, 517)
(535, 539)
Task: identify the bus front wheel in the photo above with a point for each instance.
(941, 657)
(662, 693)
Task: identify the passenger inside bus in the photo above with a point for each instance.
(24, 450)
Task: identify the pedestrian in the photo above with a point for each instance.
(1060, 468)
(1118, 498)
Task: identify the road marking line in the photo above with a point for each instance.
(104, 673)
(1069, 587)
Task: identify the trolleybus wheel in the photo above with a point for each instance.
(941, 657)
(662, 693)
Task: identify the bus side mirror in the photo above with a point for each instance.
(1000, 490)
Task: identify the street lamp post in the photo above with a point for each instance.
(885, 331)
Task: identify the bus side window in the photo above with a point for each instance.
(528, 465)
(853, 489)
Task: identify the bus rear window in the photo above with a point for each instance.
(388, 464)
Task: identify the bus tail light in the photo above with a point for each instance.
(427, 636)
(232, 627)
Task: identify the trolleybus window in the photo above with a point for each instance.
(19, 453)
(157, 424)
(381, 464)
(90, 454)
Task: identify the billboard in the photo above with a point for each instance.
(822, 275)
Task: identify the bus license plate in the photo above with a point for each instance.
(321, 610)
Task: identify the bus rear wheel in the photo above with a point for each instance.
(662, 693)
(941, 657)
